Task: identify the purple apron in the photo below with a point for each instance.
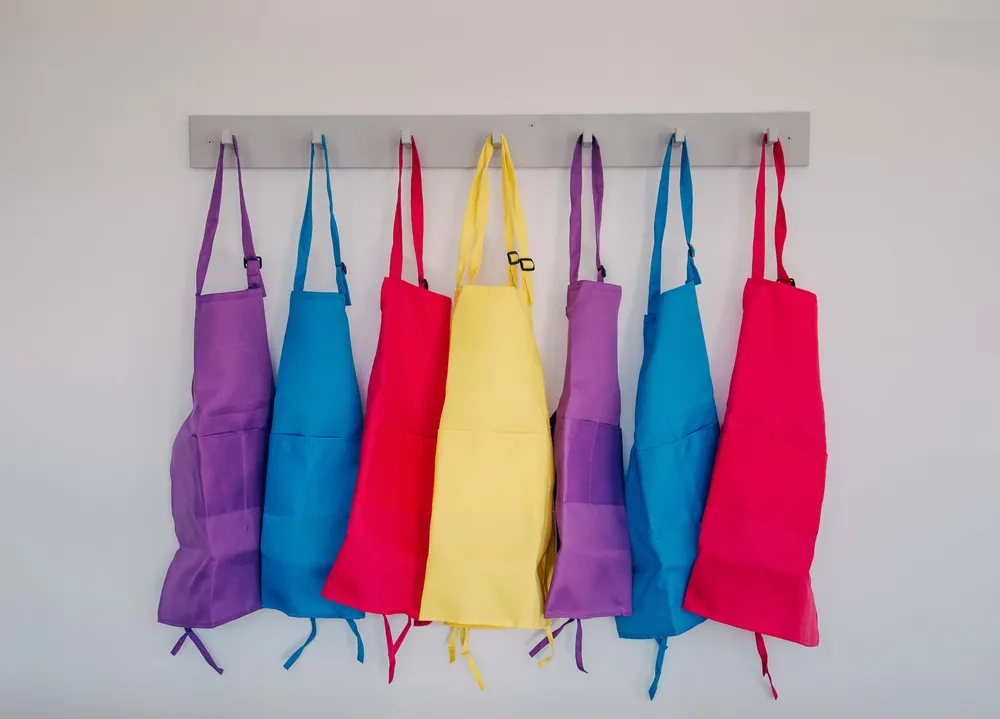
(593, 569)
(218, 460)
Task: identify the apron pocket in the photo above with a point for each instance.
(511, 471)
(232, 470)
(398, 469)
(311, 476)
(674, 480)
(589, 462)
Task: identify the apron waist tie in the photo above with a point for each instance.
(298, 652)
(762, 651)
(579, 646)
(392, 647)
(189, 632)
(549, 638)
(661, 649)
(463, 632)
(357, 635)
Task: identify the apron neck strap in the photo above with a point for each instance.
(780, 225)
(660, 221)
(575, 211)
(305, 234)
(470, 246)
(416, 218)
(251, 261)
(514, 229)
(470, 252)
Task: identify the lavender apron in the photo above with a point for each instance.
(218, 460)
(593, 569)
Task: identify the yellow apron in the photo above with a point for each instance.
(491, 541)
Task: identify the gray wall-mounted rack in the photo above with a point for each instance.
(536, 141)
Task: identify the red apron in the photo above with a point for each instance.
(759, 530)
(381, 565)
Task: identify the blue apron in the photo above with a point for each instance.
(676, 433)
(315, 444)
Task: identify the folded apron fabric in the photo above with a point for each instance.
(218, 459)
(676, 435)
(381, 566)
(593, 567)
(315, 438)
(759, 532)
(491, 542)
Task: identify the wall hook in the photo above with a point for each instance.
(227, 138)
(497, 139)
(317, 137)
(406, 137)
(588, 138)
(679, 136)
(770, 136)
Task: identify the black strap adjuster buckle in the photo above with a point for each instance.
(791, 281)
(527, 264)
(343, 268)
(423, 283)
(246, 262)
(601, 271)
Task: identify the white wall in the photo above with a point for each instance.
(894, 225)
